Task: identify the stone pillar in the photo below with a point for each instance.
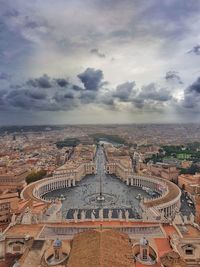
(74, 183)
(2, 246)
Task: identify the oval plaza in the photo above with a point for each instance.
(101, 181)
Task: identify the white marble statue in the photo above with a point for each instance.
(83, 215)
(185, 219)
(13, 219)
(101, 214)
(93, 216)
(75, 216)
(110, 215)
(120, 215)
(178, 219)
(127, 215)
(191, 218)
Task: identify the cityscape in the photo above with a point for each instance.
(71, 185)
(99, 133)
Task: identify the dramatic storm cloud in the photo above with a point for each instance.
(91, 79)
(94, 59)
(192, 96)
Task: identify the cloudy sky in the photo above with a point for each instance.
(99, 61)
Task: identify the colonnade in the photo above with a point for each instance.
(51, 185)
(167, 209)
(142, 181)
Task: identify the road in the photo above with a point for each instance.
(186, 209)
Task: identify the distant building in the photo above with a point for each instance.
(118, 162)
(79, 165)
(8, 204)
(14, 178)
(197, 208)
(190, 183)
(163, 170)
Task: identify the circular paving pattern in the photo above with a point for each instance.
(107, 199)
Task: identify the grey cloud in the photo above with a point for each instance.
(195, 87)
(108, 101)
(87, 97)
(11, 13)
(173, 76)
(195, 50)
(124, 91)
(149, 97)
(41, 82)
(4, 76)
(152, 92)
(2, 94)
(91, 78)
(35, 94)
(138, 102)
(62, 82)
(28, 100)
(29, 95)
(96, 52)
(76, 88)
(192, 95)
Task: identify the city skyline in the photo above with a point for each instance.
(90, 62)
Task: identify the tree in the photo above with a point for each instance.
(35, 176)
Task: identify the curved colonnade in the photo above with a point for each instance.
(168, 203)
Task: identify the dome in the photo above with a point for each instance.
(144, 241)
(57, 243)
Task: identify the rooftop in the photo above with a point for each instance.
(101, 248)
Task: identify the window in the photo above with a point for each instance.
(16, 248)
(144, 256)
(189, 251)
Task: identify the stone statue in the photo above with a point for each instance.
(144, 216)
(185, 219)
(27, 216)
(75, 216)
(162, 215)
(127, 215)
(110, 215)
(120, 215)
(83, 215)
(101, 214)
(191, 218)
(13, 219)
(93, 216)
